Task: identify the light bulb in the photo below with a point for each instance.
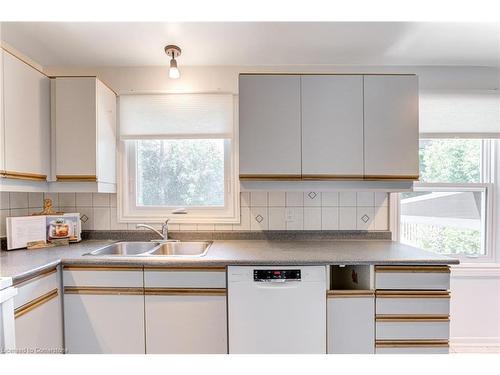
(173, 71)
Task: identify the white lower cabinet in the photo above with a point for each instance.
(186, 311)
(350, 322)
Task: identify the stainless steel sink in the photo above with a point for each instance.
(188, 249)
(125, 248)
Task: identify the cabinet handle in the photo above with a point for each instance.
(412, 318)
(411, 343)
(412, 294)
(23, 176)
(76, 178)
(350, 293)
(185, 291)
(27, 307)
(98, 290)
(423, 269)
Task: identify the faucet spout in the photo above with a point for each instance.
(152, 229)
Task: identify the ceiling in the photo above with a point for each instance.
(257, 43)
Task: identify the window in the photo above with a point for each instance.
(449, 210)
(178, 153)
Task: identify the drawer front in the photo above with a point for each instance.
(412, 348)
(413, 303)
(185, 277)
(408, 329)
(121, 277)
(36, 287)
(412, 277)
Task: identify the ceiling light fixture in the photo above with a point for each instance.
(173, 52)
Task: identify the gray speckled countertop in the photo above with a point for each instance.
(22, 263)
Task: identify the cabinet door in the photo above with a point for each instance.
(75, 126)
(193, 323)
(332, 126)
(2, 129)
(106, 134)
(391, 126)
(26, 118)
(351, 327)
(269, 110)
(104, 323)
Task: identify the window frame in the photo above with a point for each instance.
(486, 185)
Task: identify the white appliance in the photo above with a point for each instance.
(277, 310)
(7, 327)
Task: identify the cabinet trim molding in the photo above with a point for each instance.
(76, 178)
(332, 177)
(271, 177)
(423, 269)
(412, 294)
(412, 318)
(411, 343)
(27, 307)
(391, 177)
(101, 268)
(23, 176)
(185, 291)
(350, 293)
(36, 276)
(97, 290)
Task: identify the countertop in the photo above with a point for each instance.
(20, 264)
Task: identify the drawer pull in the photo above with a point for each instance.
(101, 268)
(103, 290)
(412, 294)
(23, 176)
(181, 269)
(350, 293)
(411, 343)
(27, 307)
(412, 318)
(34, 277)
(185, 292)
(422, 269)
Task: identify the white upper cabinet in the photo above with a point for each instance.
(84, 133)
(26, 105)
(332, 126)
(270, 139)
(391, 126)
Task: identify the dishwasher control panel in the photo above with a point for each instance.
(276, 275)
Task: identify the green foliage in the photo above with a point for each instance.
(450, 160)
(448, 240)
(180, 172)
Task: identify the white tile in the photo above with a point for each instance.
(18, 200)
(67, 199)
(365, 218)
(3, 216)
(277, 218)
(381, 218)
(35, 200)
(84, 199)
(132, 226)
(259, 219)
(312, 199)
(258, 199)
(4, 200)
(206, 227)
(277, 199)
(294, 217)
(86, 216)
(68, 209)
(294, 199)
(330, 199)
(35, 210)
(54, 197)
(102, 219)
(19, 212)
(223, 227)
(244, 219)
(173, 227)
(188, 227)
(100, 199)
(113, 200)
(245, 199)
(347, 218)
(381, 199)
(365, 198)
(329, 218)
(347, 199)
(312, 218)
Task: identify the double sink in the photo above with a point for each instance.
(165, 249)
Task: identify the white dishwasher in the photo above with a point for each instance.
(275, 310)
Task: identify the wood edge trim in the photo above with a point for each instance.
(437, 269)
(185, 291)
(271, 177)
(331, 177)
(98, 290)
(24, 61)
(336, 293)
(412, 318)
(76, 178)
(36, 276)
(101, 268)
(23, 176)
(412, 294)
(27, 307)
(391, 177)
(185, 269)
(411, 343)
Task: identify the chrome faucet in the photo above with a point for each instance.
(164, 230)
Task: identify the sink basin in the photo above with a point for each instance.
(188, 249)
(125, 248)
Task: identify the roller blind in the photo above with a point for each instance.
(160, 116)
(474, 113)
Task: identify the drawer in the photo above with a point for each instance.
(185, 277)
(122, 277)
(412, 277)
(412, 328)
(413, 303)
(37, 286)
(412, 347)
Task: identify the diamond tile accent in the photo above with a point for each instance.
(84, 218)
(312, 195)
(365, 218)
(259, 218)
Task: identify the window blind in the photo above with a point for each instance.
(162, 116)
(473, 113)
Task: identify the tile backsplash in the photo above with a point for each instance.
(260, 210)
